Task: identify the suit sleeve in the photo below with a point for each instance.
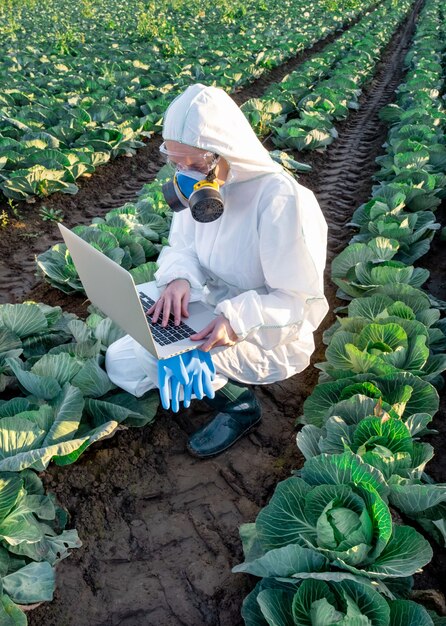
(179, 259)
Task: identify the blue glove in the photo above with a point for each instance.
(193, 370)
(201, 370)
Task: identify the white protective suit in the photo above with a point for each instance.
(260, 264)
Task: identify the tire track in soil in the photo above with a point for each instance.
(160, 527)
(111, 186)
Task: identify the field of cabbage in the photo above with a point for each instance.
(349, 527)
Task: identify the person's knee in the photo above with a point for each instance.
(111, 355)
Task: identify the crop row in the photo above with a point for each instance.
(300, 111)
(60, 401)
(326, 547)
(73, 96)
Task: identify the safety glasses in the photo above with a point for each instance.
(187, 160)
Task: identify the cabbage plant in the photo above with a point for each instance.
(410, 153)
(382, 441)
(37, 180)
(413, 230)
(122, 238)
(32, 433)
(404, 394)
(381, 308)
(32, 542)
(260, 113)
(59, 421)
(361, 268)
(67, 401)
(28, 330)
(385, 346)
(421, 189)
(394, 329)
(131, 235)
(31, 523)
(386, 443)
(424, 503)
(305, 133)
(318, 603)
(331, 523)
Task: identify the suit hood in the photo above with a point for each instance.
(208, 118)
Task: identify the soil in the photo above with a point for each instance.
(160, 528)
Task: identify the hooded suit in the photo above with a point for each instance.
(260, 264)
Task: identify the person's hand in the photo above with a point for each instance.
(218, 333)
(174, 299)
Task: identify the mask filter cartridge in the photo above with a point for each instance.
(205, 202)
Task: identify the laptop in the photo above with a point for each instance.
(112, 289)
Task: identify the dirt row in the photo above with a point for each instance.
(159, 527)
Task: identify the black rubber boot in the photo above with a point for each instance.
(239, 412)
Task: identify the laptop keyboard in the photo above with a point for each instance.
(165, 335)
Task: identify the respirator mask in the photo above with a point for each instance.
(194, 186)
